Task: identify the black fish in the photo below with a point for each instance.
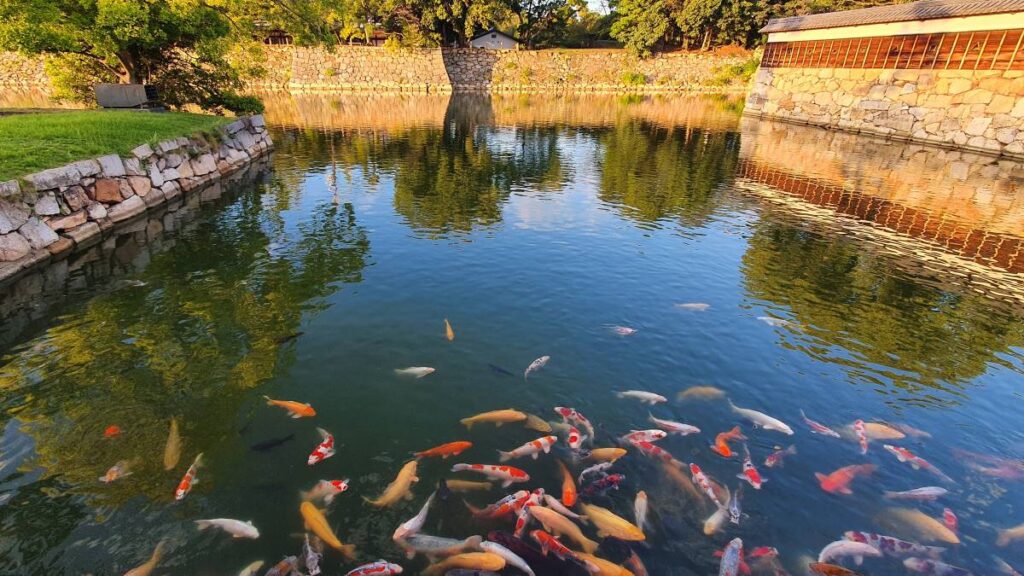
(288, 338)
(271, 443)
(499, 370)
(443, 492)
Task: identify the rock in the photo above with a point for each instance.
(46, 205)
(959, 85)
(96, 211)
(185, 170)
(54, 178)
(87, 167)
(60, 246)
(154, 198)
(107, 190)
(38, 234)
(125, 189)
(140, 184)
(13, 246)
(258, 121)
(1006, 135)
(128, 209)
(168, 146)
(171, 174)
(173, 160)
(111, 165)
(12, 216)
(75, 198)
(204, 165)
(133, 167)
(171, 190)
(155, 177)
(10, 189)
(142, 152)
(977, 126)
(235, 126)
(68, 222)
(85, 235)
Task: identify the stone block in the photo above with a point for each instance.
(46, 205)
(111, 165)
(170, 174)
(185, 170)
(977, 126)
(12, 216)
(1006, 135)
(85, 235)
(13, 246)
(156, 178)
(204, 165)
(107, 190)
(168, 146)
(133, 167)
(125, 189)
(128, 209)
(154, 198)
(70, 221)
(96, 211)
(87, 167)
(873, 105)
(37, 234)
(60, 246)
(142, 152)
(1000, 104)
(173, 160)
(977, 96)
(10, 189)
(958, 85)
(140, 185)
(171, 190)
(54, 178)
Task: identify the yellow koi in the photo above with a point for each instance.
(399, 488)
(499, 417)
(316, 523)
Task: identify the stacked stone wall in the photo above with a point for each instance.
(25, 72)
(50, 213)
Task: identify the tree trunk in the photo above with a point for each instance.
(132, 73)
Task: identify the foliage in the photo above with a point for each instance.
(739, 73)
(641, 24)
(633, 79)
(35, 142)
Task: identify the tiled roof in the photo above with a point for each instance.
(923, 10)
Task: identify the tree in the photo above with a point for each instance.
(177, 44)
(641, 24)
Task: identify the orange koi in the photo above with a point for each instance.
(295, 409)
(445, 450)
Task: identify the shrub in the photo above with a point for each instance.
(633, 79)
(739, 73)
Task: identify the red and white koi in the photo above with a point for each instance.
(750, 473)
(644, 436)
(503, 507)
(550, 544)
(927, 493)
(702, 481)
(532, 449)
(574, 416)
(325, 490)
(818, 428)
(378, 568)
(323, 450)
(507, 474)
(862, 436)
(893, 547)
(189, 479)
(523, 512)
(673, 427)
(777, 458)
(731, 558)
(602, 485)
(950, 520)
(574, 439)
(595, 469)
(916, 462)
(648, 449)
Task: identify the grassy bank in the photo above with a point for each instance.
(33, 142)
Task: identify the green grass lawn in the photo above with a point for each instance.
(33, 142)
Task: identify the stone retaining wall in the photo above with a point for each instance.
(17, 71)
(979, 110)
(50, 213)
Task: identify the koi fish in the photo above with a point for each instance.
(916, 462)
(609, 524)
(557, 506)
(750, 473)
(562, 526)
(236, 528)
(595, 469)
(623, 330)
(1005, 568)
(271, 443)
(673, 427)
(414, 524)
(312, 554)
(445, 450)
(601, 567)
(731, 558)
(189, 479)
(523, 513)
(839, 481)
(378, 568)
(532, 449)
(147, 568)
(116, 472)
(316, 523)
(602, 485)
(650, 450)
(915, 523)
(511, 558)
(644, 436)
(843, 548)
(713, 524)
(862, 437)
(949, 519)
(701, 480)
(777, 458)
(537, 423)
(735, 512)
(466, 485)
(499, 370)
(934, 567)
(536, 365)
(415, 371)
(399, 487)
(1009, 535)
(251, 568)
(893, 547)
(172, 451)
(574, 439)
(695, 306)
(701, 393)
(503, 507)
(645, 397)
(551, 545)
(928, 493)
(568, 487)
(323, 450)
(879, 431)
(507, 474)
(286, 567)
(774, 322)
(112, 431)
(294, 409)
(721, 445)
(574, 416)
(434, 546)
(471, 560)
(606, 454)
(762, 420)
(499, 417)
(640, 509)
(448, 332)
(818, 428)
(825, 569)
(325, 490)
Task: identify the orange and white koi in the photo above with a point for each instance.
(750, 473)
(950, 520)
(325, 490)
(323, 450)
(652, 451)
(916, 462)
(644, 436)
(574, 416)
(445, 450)
(818, 428)
(294, 409)
(116, 472)
(574, 439)
(448, 332)
(839, 481)
(523, 512)
(189, 479)
(507, 474)
(378, 568)
(550, 544)
(721, 445)
(701, 480)
(569, 494)
(532, 448)
(777, 458)
(503, 507)
(862, 436)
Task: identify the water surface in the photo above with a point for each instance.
(534, 225)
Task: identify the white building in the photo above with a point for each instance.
(494, 39)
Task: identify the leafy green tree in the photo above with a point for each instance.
(641, 24)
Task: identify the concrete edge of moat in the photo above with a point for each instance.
(50, 214)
